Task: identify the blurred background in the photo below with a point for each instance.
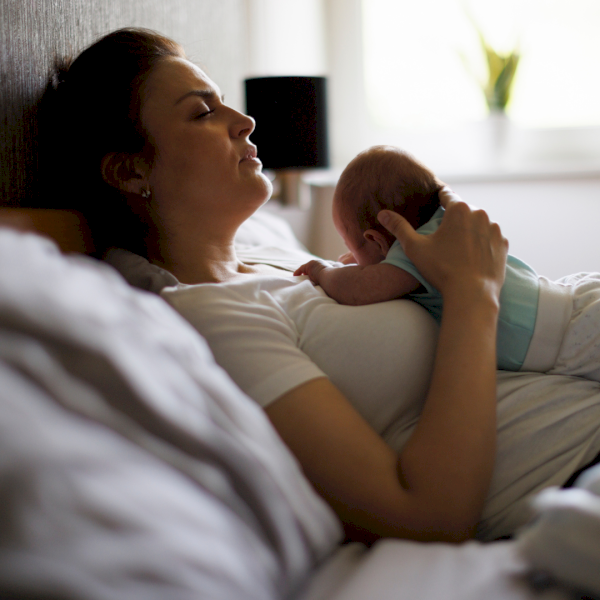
(500, 97)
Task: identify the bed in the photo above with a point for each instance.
(132, 467)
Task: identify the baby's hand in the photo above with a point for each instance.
(313, 269)
(347, 259)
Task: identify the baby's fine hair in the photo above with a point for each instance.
(386, 177)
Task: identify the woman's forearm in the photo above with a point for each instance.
(434, 490)
(447, 464)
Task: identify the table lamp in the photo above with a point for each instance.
(291, 131)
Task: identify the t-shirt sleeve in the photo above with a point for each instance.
(255, 342)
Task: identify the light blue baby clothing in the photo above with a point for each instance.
(518, 300)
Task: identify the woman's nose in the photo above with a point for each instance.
(242, 126)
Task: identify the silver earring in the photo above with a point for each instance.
(145, 193)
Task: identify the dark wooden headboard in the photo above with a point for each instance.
(35, 32)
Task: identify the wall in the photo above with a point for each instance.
(34, 32)
(286, 38)
(551, 224)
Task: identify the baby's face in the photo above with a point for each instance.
(365, 252)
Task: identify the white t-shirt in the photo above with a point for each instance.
(273, 333)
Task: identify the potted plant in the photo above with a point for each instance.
(501, 75)
(497, 89)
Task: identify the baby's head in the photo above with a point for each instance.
(382, 177)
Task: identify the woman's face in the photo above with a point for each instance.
(204, 160)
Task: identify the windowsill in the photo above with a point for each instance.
(543, 172)
(548, 171)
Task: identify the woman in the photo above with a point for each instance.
(175, 172)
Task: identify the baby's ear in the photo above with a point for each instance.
(376, 237)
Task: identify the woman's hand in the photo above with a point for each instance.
(466, 252)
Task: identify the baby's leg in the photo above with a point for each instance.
(579, 353)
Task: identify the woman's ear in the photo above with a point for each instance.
(376, 237)
(126, 172)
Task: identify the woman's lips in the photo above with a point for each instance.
(251, 155)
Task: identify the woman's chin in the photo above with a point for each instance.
(258, 190)
(268, 188)
(261, 194)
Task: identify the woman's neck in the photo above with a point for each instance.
(197, 257)
(196, 261)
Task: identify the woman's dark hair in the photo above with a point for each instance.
(92, 108)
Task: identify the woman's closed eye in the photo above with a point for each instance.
(203, 114)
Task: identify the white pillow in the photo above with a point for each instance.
(263, 238)
(264, 228)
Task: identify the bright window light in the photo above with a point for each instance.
(423, 61)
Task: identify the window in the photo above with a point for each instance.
(406, 72)
(415, 50)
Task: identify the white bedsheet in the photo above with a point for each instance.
(564, 539)
(400, 570)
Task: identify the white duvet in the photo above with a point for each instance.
(130, 465)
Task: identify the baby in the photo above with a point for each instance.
(543, 326)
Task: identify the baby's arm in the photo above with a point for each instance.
(356, 285)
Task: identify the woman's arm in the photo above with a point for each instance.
(435, 489)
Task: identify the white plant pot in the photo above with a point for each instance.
(497, 134)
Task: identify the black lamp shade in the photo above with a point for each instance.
(291, 121)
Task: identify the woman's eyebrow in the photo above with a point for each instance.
(201, 93)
